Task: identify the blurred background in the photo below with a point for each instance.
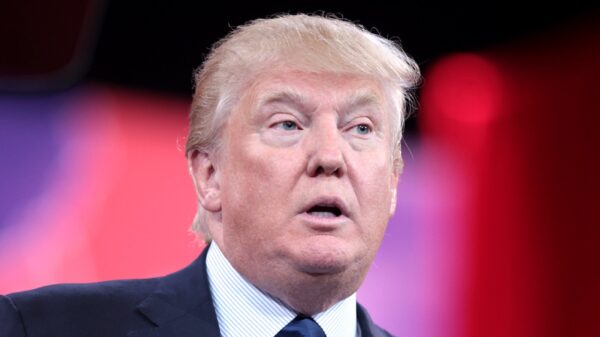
(497, 227)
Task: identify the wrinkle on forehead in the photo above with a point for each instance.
(278, 91)
(287, 95)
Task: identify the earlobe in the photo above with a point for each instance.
(205, 176)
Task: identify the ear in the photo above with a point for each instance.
(206, 180)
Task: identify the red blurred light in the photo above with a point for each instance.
(468, 89)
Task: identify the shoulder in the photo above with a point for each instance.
(74, 309)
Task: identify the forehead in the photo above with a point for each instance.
(314, 88)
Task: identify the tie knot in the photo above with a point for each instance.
(301, 326)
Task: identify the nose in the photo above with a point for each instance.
(326, 155)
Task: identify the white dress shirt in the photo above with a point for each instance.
(245, 311)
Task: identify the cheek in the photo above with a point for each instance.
(373, 186)
(373, 174)
(256, 185)
(263, 175)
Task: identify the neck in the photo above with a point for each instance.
(312, 294)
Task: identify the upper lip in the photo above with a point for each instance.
(328, 201)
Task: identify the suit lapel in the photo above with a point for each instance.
(181, 305)
(367, 327)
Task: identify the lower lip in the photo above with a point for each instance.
(322, 223)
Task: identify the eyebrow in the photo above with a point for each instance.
(359, 98)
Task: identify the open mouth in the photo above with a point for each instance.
(325, 211)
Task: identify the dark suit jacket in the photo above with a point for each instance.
(177, 305)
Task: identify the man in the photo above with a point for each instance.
(294, 149)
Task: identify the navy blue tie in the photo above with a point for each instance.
(301, 326)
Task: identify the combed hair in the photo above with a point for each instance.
(315, 43)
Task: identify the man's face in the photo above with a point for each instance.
(306, 180)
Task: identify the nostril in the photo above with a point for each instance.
(328, 169)
(321, 170)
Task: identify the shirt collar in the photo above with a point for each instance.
(244, 310)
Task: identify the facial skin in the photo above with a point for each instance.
(293, 141)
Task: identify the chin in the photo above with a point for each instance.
(319, 258)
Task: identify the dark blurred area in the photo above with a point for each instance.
(45, 45)
(156, 45)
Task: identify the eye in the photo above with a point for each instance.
(363, 129)
(287, 125)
